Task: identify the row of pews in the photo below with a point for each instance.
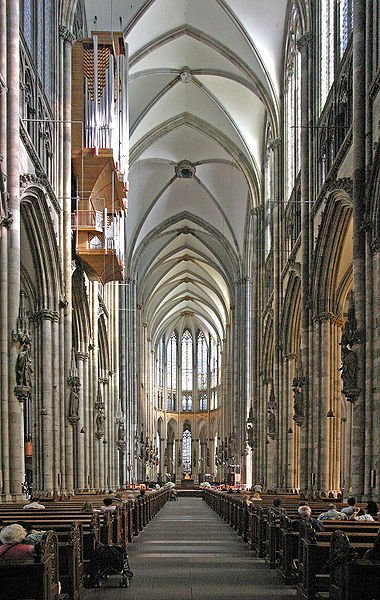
(323, 565)
(64, 557)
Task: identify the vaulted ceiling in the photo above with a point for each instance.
(204, 77)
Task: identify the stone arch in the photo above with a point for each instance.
(328, 255)
(290, 324)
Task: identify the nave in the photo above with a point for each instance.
(188, 553)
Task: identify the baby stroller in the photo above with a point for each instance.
(108, 560)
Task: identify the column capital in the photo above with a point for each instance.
(304, 41)
(66, 34)
(81, 356)
(45, 315)
(329, 316)
(275, 144)
(375, 245)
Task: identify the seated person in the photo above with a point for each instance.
(276, 504)
(374, 552)
(348, 510)
(332, 514)
(34, 504)
(256, 497)
(370, 513)
(173, 494)
(32, 535)
(87, 507)
(12, 545)
(107, 506)
(305, 514)
(258, 488)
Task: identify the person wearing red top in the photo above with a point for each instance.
(12, 548)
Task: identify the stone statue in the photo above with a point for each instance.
(349, 369)
(298, 400)
(100, 418)
(121, 430)
(24, 365)
(271, 422)
(74, 401)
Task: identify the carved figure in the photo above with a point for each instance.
(298, 400)
(121, 430)
(24, 365)
(271, 422)
(100, 418)
(74, 400)
(349, 369)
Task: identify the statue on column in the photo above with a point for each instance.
(299, 403)
(271, 415)
(100, 416)
(349, 367)
(24, 364)
(74, 383)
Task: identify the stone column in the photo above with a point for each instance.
(81, 361)
(304, 46)
(46, 319)
(68, 39)
(4, 330)
(359, 270)
(56, 438)
(15, 419)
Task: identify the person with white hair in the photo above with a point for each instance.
(305, 515)
(12, 543)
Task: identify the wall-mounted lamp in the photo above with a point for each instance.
(330, 414)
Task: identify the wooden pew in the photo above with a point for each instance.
(351, 577)
(35, 579)
(314, 553)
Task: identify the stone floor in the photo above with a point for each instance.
(188, 553)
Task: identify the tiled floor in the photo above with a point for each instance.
(188, 553)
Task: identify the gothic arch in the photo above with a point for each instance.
(37, 223)
(328, 253)
(291, 316)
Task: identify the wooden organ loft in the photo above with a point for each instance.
(100, 153)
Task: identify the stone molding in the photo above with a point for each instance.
(329, 316)
(304, 41)
(66, 34)
(45, 315)
(82, 356)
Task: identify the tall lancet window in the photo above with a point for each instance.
(186, 451)
(346, 10)
(214, 374)
(171, 372)
(326, 48)
(268, 192)
(187, 370)
(292, 97)
(202, 370)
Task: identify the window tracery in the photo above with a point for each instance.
(187, 370)
(292, 105)
(171, 371)
(202, 370)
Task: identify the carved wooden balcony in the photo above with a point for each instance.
(99, 242)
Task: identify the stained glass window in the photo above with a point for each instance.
(268, 183)
(27, 23)
(48, 48)
(346, 9)
(326, 50)
(40, 38)
(292, 106)
(202, 361)
(187, 369)
(171, 371)
(186, 451)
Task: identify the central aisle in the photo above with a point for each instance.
(188, 553)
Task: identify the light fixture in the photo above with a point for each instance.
(290, 430)
(330, 413)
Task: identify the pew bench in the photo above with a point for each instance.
(35, 579)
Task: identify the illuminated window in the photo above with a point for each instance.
(326, 48)
(292, 106)
(171, 371)
(187, 370)
(346, 9)
(186, 451)
(202, 370)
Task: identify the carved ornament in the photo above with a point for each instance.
(66, 34)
